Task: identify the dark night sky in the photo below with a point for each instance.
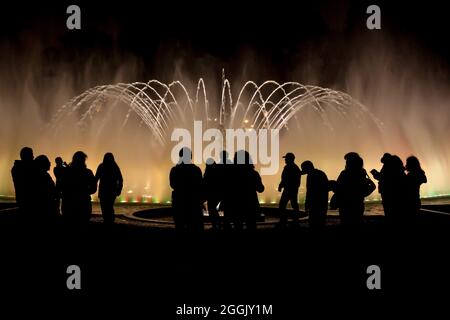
(276, 30)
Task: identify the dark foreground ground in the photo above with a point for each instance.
(154, 270)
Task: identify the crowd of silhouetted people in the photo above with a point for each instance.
(225, 186)
(42, 200)
(230, 186)
(399, 186)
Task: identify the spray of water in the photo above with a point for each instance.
(134, 119)
(161, 107)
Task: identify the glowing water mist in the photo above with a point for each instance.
(151, 110)
(134, 120)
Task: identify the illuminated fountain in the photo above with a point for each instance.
(158, 108)
(135, 122)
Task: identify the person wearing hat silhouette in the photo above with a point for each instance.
(290, 182)
(316, 199)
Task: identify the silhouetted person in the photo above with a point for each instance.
(212, 185)
(316, 202)
(378, 175)
(58, 172)
(241, 203)
(351, 189)
(110, 186)
(391, 186)
(23, 173)
(224, 170)
(187, 203)
(77, 185)
(290, 182)
(381, 176)
(414, 178)
(45, 197)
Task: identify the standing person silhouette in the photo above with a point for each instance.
(351, 187)
(242, 205)
(316, 202)
(45, 197)
(187, 195)
(391, 186)
(224, 170)
(383, 177)
(111, 182)
(78, 183)
(23, 172)
(290, 182)
(415, 177)
(212, 191)
(58, 172)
